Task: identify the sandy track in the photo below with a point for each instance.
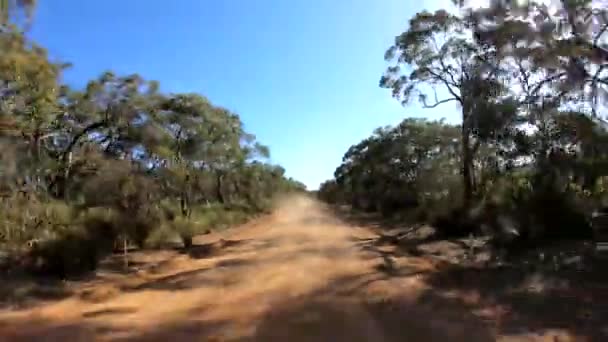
(297, 275)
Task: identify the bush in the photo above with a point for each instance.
(25, 218)
(54, 238)
(161, 237)
(112, 224)
(78, 246)
(141, 226)
(71, 252)
(186, 230)
(542, 211)
(557, 214)
(456, 222)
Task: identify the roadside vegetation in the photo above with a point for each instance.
(117, 164)
(527, 163)
(465, 220)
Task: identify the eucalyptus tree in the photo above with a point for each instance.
(437, 51)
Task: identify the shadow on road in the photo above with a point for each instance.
(24, 291)
(533, 301)
(308, 277)
(520, 299)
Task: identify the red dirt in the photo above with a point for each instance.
(297, 275)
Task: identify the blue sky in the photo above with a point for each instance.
(303, 75)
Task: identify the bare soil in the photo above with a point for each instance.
(302, 274)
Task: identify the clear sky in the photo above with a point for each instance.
(302, 74)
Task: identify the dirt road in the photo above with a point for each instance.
(297, 275)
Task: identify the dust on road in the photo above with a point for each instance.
(297, 275)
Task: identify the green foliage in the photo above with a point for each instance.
(83, 169)
(70, 252)
(51, 237)
(437, 53)
(26, 218)
(186, 230)
(388, 171)
(163, 236)
(541, 179)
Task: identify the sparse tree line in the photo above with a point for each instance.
(531, 86)
(118, 162)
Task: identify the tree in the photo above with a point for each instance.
(203, 138)
(114, 114)
(395, 167)
(439, 52)
(81, 168)
(559, 63)
(569, 45)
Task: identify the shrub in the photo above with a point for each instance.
(542, 211)
(70, 252)
(186, 230)
(139, 227)
(456, 222)
(161, 237)
(557, 214)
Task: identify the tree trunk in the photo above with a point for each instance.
(184, 200)
(125, 253)
(183, 204)
(66, 177)
(219, 193)
(467, 166)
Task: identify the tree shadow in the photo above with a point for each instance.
(25, 291)
(339, 311)
(372, 220)
(535, 301)
(43, 330)
(536, 298)
(342, 311)
(196, 278)
(109, 312)
(116, 264)
(430, 317)
(189, 330)
(202, 251)
(211, 249)
(390, 250)
(35, 330)
(406, 236)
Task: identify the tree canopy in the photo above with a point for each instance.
(118, 159)
(530, 85)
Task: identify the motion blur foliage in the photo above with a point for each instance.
(117, 163)
(72, 251)
(527, 163)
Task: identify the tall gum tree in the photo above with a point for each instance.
(558, 55)
(567, 42)
(437, 51)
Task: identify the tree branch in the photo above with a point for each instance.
(82, 133)
(596, 40)
(447, 71)
(438, 102)
(447, 84)
(594, 84)
(524, 79)
(546, 80)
